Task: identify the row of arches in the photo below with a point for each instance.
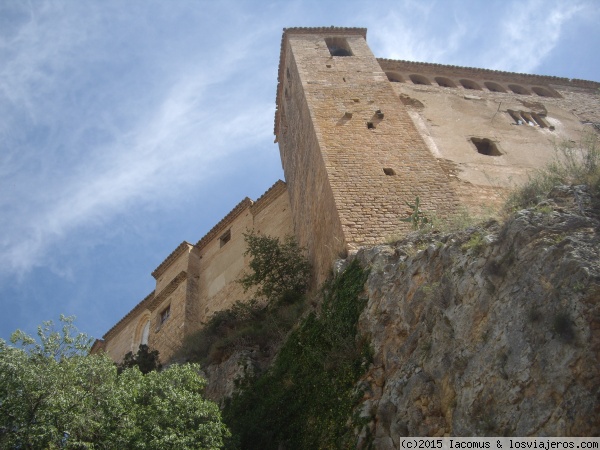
(470, 84)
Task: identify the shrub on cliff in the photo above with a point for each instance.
(280, 271)
(574, 164)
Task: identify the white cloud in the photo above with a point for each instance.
(528, 33)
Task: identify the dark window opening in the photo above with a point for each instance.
(389, 171)
(419, 79)
(470, 84)
(494, 87)
(485, 147)
(225, 238)
(528, 118)
(338, 46)
(445, 82)
(394, 77)
(542, 92)
(518, 89)
(165, 314)
(370, 125)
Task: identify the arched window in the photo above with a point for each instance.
(470, 84)
(145, 333)
(542, 92)
(419, 79)
(394, 77)
(494, 87)
(445, 82)
(518, 89)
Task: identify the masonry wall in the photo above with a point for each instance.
(195, 281)
(449, 117)
(340, 95)
(221, 265)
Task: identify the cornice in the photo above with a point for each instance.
(224, 223)
(269, 196)
(489, 74)
(168, 290)
(144, 304)
(181, 249)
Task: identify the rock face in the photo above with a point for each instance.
(491, 331)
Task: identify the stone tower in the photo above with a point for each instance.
(350, 152)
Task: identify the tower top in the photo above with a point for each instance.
(319, 31)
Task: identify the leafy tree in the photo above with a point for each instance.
(280, 271)
(145, 360)
(54, 394)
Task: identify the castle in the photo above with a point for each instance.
(359, 137)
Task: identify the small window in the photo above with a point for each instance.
(528, 118)
(225, 237)
(370, 125)
(165, 314)
(517, 89)
(338, 46)
(494, 87)
(394, 77)
(445, 82)
(470, 84)
(419, 79)
(389, 171)
(485, 147)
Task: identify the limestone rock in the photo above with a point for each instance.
(490, 331)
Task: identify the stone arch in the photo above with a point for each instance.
(394, 77)
(419, 79)
(494, 87)
(542, 92)
(470, 84)
(142, 331)
(518, 89)
(445, 82)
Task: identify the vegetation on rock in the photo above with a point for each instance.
(307, 398)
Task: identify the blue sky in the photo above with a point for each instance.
(130, 126)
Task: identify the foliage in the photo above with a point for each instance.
(572, 165)
(53, 394)
(279, 269)
(145, 360)
(306, 399)
(417, 218)
(244, 325)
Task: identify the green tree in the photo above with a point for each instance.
(54, 394)
(280, 270)
(145, 359)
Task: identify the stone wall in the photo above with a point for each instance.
(343, 134)
(448, 115)
(195, 281)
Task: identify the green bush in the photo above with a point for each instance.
(54, 394)
(279, 269)
(306, 399)
(572, 165)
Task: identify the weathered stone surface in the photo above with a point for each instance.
(490, 331)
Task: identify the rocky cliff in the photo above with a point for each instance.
(494, 330)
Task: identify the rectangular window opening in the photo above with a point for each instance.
(225, 237)
(338, 46)
(165, 314)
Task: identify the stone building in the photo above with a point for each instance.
(359, 137)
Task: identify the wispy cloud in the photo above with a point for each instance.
(91, 168)
(527, 34)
